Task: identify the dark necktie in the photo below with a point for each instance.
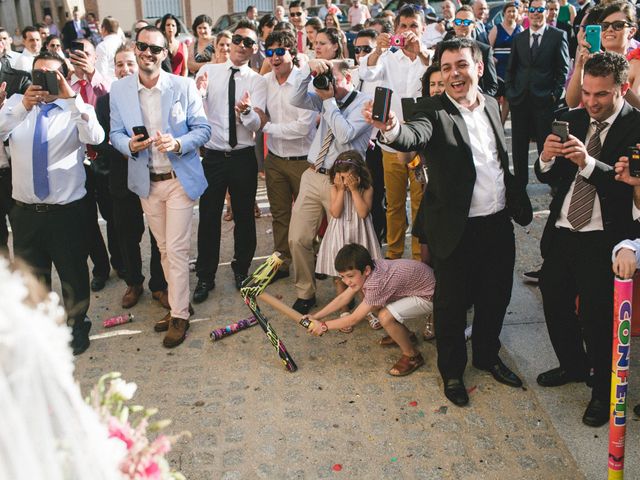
(233, 138)
(40, 152)
(360, 85)
(536, 44)
(581, 205)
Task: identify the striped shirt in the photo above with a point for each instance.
(392, 280)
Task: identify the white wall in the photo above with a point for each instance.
(124, 12)
(213, 8)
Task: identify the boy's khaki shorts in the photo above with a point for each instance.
(410, 307)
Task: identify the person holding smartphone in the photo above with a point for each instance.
(49, 217)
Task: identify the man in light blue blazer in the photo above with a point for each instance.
(164, 165)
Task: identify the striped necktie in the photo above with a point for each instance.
(584, 194)
(324, 149)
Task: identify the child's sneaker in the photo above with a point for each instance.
(467, 333)
(346, 329)
(373, 321)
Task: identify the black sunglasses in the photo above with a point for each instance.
(270, 52)
(618, 25)
(364, 48)
(155, 49)
(295, 14)
(246, 41)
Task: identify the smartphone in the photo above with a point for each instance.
(561, 129)
(141, 130)
(75, 45)
(381, 104)
(634, 162)
(47, 80)
(592, 35)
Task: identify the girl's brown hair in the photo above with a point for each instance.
(351, 161)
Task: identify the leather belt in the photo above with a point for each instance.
(230, 153)
(160, 177)
(46, 207)
(293, 159)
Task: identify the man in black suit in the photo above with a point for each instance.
(464, 27)
(537, 71)
(11, 81)
(590, 213)
(553, 8)
(75, 29)
(466, 213)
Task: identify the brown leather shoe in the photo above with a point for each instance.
(163, 325)
(162, 297)
(177, 332)
(131, 296)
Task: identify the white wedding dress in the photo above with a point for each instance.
(47, 431)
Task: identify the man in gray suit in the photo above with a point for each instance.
(534, 82)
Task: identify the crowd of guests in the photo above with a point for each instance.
(95, 122)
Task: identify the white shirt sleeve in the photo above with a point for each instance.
(633, 245)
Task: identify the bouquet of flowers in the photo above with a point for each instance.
(129, 427)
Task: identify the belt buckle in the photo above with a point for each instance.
(41, 207)
(228, 154)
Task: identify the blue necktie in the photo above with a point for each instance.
(41, 152)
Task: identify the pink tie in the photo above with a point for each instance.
(300, 43)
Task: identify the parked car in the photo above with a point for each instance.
(184, 36)
(344, 10)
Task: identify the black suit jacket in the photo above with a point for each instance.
(541, 76)
(438, 130)
(108, 156)
(17, 80)
(489, 80)
(615, 197)
(69, 33)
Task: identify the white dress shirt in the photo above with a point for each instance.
(24, 62)
(432, 35)
(351, 131)
(70, 127)
(216, 104)
(105, 55)
(540, 32)
(12, 56)
(596, 215)
(489, 191)
(290, 129)
(151, 106)
(398, 72)
(633, 245)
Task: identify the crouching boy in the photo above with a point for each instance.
(397, 289)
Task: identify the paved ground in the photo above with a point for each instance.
(249, 418)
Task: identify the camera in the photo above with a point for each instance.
(397, 41)
(324, 80)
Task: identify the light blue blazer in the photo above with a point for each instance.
(182, 115)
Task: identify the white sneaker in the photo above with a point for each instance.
(467, 333)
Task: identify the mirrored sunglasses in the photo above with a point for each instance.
(465, 23)
(270, 52)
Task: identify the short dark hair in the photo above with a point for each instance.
(353, 257)
(249, 8)
(46, 55)
(465, 8)
(244, 23)
(284, 27)
(457, 44)
(387, 26)
(199, 20)
(603, 64)
(625, 8)
(286, 40)
(426, 78)
(151, 28)
(368, 33)
(110, 24)
(27, 29)
(40, 25)
(268, 20)
(166, 18)
(409, 11)
(294, 4)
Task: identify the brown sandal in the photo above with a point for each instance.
(406, 365)
(387, 341)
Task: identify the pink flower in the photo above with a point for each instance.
(120, 431)
(152, 471)
(160, 445)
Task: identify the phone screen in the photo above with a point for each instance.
(381, 104)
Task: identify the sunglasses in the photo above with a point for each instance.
(458, 22)
(270, 52)
(295, 14)
(537, 9)
(246, 41)
(155, 49)
(365, 49)
(618, 25)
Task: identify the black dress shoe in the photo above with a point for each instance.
(80, 337)
(304, 305)
(98, 283)
(239, 279)
(321, 276)
(201, 293)
(280, 274)
(557, 377)
(456, 392)
(503, 374)
(597, 413)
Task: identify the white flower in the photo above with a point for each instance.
(123, 389)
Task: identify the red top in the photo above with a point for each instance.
(634, 54)
(179, 59)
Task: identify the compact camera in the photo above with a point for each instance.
(397, 41)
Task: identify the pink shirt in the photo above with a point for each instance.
(97, 87)
(392, 280)
(358, 15)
